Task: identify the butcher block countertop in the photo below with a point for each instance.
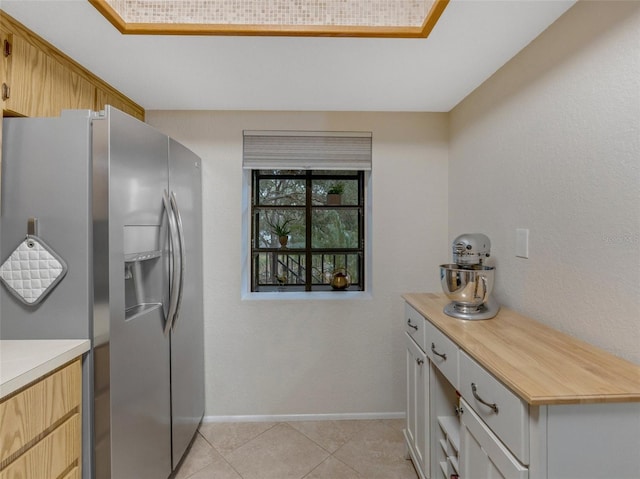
(25, 361)
(540, 364)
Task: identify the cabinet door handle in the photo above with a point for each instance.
(6, 48)
(493, 406)
(412, 325)
(420, 361)
(6, 92)
(433, 350)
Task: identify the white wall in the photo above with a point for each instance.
(552, 143)
(317, 357)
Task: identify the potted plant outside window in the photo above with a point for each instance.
(282, 230)
(334, 194)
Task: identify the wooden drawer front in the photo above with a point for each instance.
(32, 411)
(511, 421)
(414, 325)
(52, 456)
(443, 353)
(481, 452)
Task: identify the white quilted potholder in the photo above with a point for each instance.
(32, 270)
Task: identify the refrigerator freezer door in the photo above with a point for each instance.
(138, 350)
(187, 344)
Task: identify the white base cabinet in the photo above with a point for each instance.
(417, 432)
(465, 423)
(431, 363)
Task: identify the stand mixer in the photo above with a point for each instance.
(467, 282)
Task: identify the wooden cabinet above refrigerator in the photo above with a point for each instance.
(39, 80)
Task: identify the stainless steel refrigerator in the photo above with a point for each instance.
(120, 203)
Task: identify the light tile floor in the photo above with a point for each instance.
(363, 449)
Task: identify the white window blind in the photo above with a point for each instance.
(306, 150)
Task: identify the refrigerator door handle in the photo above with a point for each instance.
(180, 228)
(174, 280)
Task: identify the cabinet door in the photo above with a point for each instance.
(6, 41)
(42, 81)
(482, 455)
(30, 79)
(42, 86)
(418, 406)
(5, 66)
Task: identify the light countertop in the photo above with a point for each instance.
(24, 361)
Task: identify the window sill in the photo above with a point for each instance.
(308, 296)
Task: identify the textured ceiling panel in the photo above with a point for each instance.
(377, 13)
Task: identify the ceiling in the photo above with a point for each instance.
(373, 18)
(472, 39)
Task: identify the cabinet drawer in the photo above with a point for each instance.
(50, 457)
(32, 411)
(414, 325)
(510, 420)
(482, 453)
(443, 353)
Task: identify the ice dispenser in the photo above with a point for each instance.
(143, 269)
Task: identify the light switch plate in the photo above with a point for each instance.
(522, 243)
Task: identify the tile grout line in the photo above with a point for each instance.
(330, 454)
(223, 456)
(288, 424)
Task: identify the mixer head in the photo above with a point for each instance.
(471, 248)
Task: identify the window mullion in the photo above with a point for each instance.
(308, 219)
(361, 229)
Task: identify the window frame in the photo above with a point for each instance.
(308, 252)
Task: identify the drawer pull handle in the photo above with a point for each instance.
(412, 325)
(493, 406)
(433, 350)
(419, 361)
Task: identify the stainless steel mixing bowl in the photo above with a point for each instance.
(469, 287)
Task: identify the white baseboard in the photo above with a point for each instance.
(305, 417)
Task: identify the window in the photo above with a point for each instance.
(307, 211)
(307, 230)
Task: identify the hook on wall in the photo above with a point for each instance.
(32, 227)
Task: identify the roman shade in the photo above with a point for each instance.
(306, 150)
